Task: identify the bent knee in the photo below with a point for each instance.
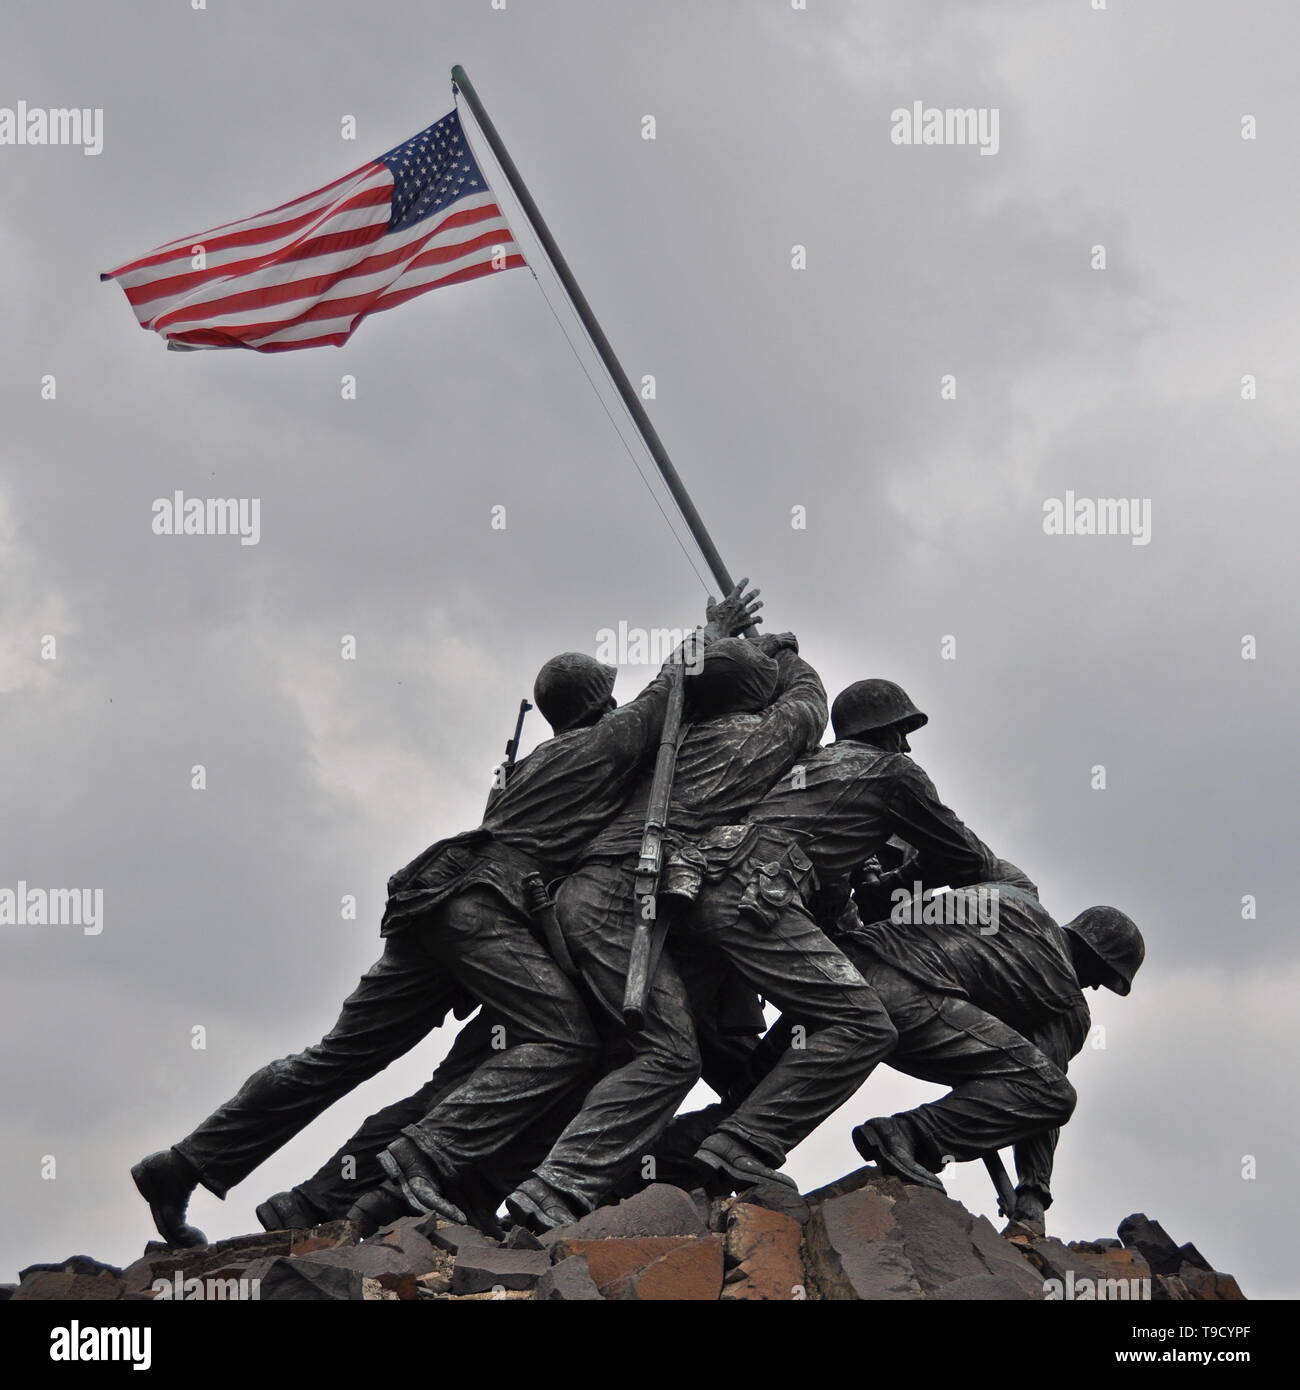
(677, 1060)
(1064, 1099)
(872, 1024)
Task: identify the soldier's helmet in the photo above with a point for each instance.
(1113, 937)
(736, 676)
(873, 704)
(573, 690)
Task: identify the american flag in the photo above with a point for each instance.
(306, 273)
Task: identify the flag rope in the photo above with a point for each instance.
(577, 356)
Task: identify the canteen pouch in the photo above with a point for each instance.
(683, 873)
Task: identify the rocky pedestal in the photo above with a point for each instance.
(866, 1237)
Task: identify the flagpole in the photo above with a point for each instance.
(672, 479)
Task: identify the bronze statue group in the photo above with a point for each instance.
(802, 875)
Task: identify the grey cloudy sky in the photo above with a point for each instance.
(776, 388)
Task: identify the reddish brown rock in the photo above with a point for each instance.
(762, 1249)
(609, 1260)
(892, 1241)
(690, 1272)
(1210, 1285)
(327, 1237)
(1089, 1271)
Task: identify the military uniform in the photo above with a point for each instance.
(458, 932)
(995, 1014)
(724, 764)
(845, 802)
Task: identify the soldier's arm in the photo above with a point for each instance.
(799, 708)
(792, 725)
(630, 733)
(948, 852)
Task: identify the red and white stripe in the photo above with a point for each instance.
(306, 273)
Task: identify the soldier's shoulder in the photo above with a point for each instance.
(907, 771)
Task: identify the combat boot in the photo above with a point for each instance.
(885, 1143)
(166, 1180)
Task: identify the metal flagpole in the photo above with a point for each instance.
(613, 366)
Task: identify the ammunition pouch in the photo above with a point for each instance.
(777, 884)
(723, 846)
(691, 865)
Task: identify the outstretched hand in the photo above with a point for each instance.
(732, 615)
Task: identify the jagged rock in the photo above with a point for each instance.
(164, 1262)
(407, 1237)
(978, 1288)
(64, 1284)
(1210, 1285)
(446, 1235)
(889, 1241)
(611, 1258)
(690, 1272)
(850, 1182)
(1182, 1273)
(778, 1197)
(308, 1281)
(396, 1258)
(1192, 1256)
(484, 1268)
(74, 1264)
(1085, 1270)
(869, 1237)
(762, 1249)
(657, 1210)
(1150, 1239)
(569, 1281)
(521, 1238)
(1170, 1289)
(326, 1237)
(438, 1281)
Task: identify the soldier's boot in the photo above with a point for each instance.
(288, 1211)
(536, 1205)
(378, 1207)
(166, 1180)
(886, 1143)
(420, 1182)
(1029, 1214)
(721, 1154)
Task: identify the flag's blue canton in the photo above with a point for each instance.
(430, 171)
